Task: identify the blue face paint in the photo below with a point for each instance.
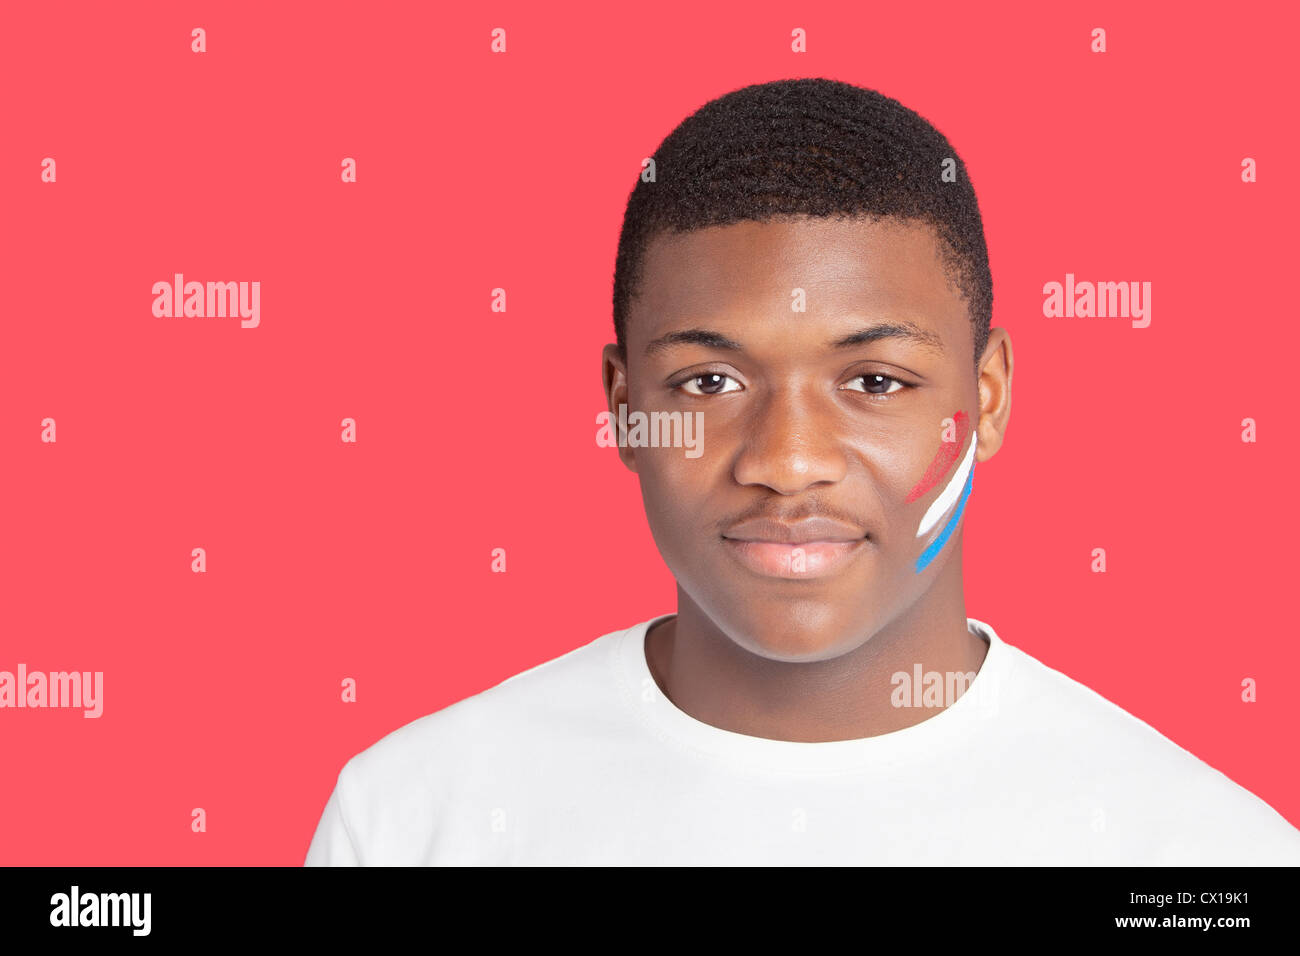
(937, 544)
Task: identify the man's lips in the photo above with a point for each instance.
(812, 548)
(799, 532)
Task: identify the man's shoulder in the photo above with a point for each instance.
(1129, 766)
(522, 711)
(1070, 714)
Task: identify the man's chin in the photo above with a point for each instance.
(795, 632)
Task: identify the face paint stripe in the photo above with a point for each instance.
(943, 458)
(928, 554)
(941, 504)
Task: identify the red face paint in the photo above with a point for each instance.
(943, 458)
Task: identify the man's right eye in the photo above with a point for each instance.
(707, 383)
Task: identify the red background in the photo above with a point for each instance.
(477, 429)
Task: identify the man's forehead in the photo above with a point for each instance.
(882, 270)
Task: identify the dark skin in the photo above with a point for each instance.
(795, 428)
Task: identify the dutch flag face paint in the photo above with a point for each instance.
(952, 500)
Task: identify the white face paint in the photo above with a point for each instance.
(951, 491)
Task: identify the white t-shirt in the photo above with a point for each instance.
(583, 760)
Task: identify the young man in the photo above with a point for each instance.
(806, 275)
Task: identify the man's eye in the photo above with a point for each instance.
(710, 383)
(872, 380)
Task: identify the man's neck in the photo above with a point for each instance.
(711, 677)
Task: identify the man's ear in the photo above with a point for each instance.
(996, 366)
(614, 376)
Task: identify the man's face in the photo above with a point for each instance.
(797, 427)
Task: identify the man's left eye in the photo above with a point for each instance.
(872, 379)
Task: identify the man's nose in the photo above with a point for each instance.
(791, 443)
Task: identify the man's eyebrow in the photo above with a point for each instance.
(908, 331)
(705, 337)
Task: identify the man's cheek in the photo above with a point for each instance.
(952, 470)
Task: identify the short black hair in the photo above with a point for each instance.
(815, 147)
